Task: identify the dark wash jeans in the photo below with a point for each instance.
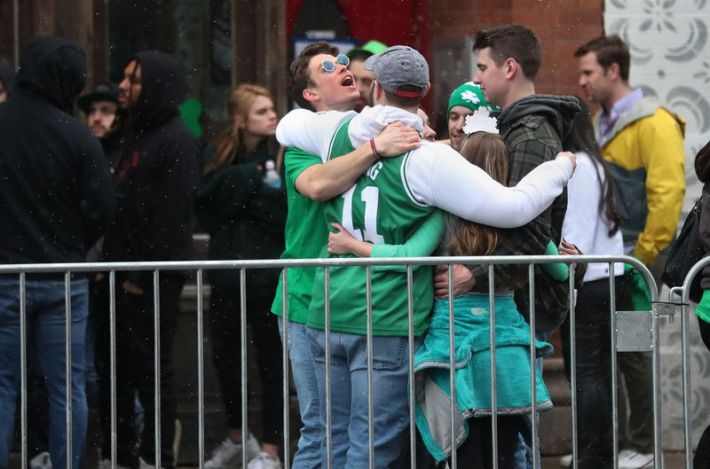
(593, 357)
(135, 373)
(225, 332)
(46, 348)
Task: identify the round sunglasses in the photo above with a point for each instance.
(329, 66)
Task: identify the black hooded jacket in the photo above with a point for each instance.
(7, 75)
(56, 196)
(156, 172)
(702, 170)
(557, 111)
(533, 128)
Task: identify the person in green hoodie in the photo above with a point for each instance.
(245, 217)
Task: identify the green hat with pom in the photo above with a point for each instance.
(470, 95)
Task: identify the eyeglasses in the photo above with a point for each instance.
(329, 66)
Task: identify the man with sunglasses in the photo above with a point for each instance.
(384, 206)
(320, 81)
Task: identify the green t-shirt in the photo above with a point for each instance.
(378, 209)
(305, 236)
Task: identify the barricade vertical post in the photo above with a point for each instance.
(23, 368)
(285, 366)
(112, 365)
(200, 374)
(573, 368)
(370, 351)
(687, 428)
(328, 403)
(69, 391)
(533, 363)
(156, 361)
(243, 365)
(452, 366)
(410, 343)
(492, 339)
(656, 373)
(614, 381)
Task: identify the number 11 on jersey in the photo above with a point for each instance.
(370, 198)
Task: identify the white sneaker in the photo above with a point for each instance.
(106, 464)
(144, 465)
(41, 461)
(264, 461)
(229, 453)
(566, 460)
(176, 441)
(631, 459)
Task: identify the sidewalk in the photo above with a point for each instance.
(672, 460)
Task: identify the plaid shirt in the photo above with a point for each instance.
(531, 140)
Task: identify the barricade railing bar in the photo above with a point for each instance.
(242, 266)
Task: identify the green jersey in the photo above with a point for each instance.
(379, 208)
(305, 236)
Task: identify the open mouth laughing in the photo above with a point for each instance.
(348, 80)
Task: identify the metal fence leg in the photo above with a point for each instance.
(200, 373)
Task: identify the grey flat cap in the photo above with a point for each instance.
(397, 67)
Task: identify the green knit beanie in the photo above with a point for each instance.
(471, 96)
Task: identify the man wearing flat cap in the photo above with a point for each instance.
(103, 116)
(384, 206)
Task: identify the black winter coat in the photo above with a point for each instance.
(56, 196)
(702, 170)
(244, 217)
(156, 172)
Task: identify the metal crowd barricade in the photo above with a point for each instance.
(684, 304)
(367, 263)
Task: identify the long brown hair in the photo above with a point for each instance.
(488, 152)
(240, 102)
(581, 138)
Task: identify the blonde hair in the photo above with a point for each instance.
(488, 152)
(240, 102)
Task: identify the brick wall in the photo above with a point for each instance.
(561, 25)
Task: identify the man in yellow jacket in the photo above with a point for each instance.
(643, 143)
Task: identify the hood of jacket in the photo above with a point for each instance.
(559, 111)
(645, 107)
(7, 75)
(702, 163)
(163, 88)
(373, 120)
(54, 69)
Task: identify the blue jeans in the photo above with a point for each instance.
(304, 378)
(524, 451)
(349, 400)
(46, 320)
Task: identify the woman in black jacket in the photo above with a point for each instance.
(245, 219)
(702, 170)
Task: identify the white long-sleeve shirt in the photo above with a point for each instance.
(585, 225)
(435, 174)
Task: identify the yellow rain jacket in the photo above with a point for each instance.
(646, 158)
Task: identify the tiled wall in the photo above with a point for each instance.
(670, 52)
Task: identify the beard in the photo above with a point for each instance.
(99, 130)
